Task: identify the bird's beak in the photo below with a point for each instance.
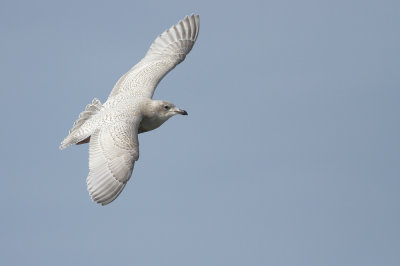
(180, 111)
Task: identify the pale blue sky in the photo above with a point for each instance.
(289, 155)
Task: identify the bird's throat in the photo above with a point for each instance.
(151, 122)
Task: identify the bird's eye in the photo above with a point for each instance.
(166, 107)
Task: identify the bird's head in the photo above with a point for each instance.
(166, 109)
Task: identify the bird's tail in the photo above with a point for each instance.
(84, 126)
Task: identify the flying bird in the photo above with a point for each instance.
(112, 128)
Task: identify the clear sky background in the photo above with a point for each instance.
(289, 155)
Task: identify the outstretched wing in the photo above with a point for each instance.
(166, 52)
(113, 150)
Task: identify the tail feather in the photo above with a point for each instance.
(83, 127)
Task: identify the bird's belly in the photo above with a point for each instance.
(149, 124)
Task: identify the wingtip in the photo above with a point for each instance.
(103, 202)
(193, 15)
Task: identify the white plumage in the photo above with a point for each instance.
(112, 128)
(166, 52)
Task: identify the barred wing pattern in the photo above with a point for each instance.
(166, 52)
(113, 150)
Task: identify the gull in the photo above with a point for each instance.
(112, 128)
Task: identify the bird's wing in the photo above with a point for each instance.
(166, 52)
(113, 150)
